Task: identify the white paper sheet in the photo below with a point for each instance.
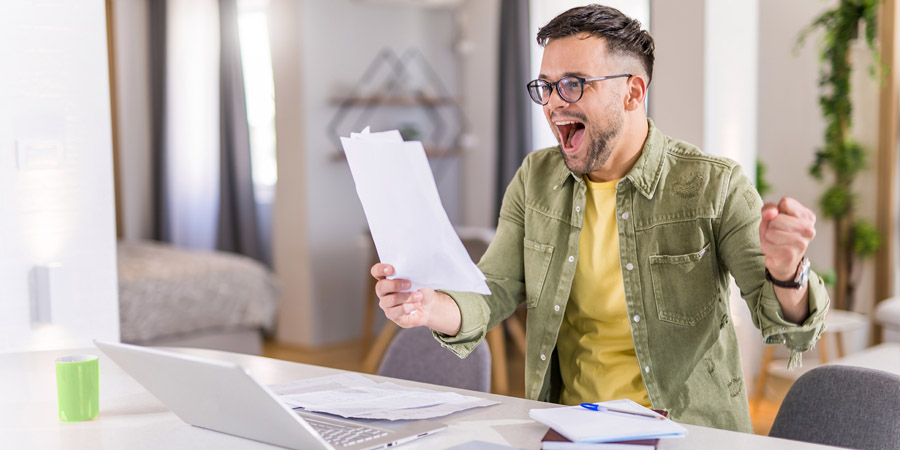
(355, 396)
(409, 225)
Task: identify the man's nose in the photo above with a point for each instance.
(556, 101)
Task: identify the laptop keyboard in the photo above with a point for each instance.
(344, 435)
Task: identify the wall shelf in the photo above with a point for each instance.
(405, 93)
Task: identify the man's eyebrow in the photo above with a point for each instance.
(544, 76)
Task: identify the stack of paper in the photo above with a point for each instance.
(584, 425)
(355, 396)
(407, 220)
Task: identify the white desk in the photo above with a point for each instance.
(130, 418)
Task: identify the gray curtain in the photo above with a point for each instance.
(157, 39)
(238, 229)
(514, 137)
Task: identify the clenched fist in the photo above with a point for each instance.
(785, 232)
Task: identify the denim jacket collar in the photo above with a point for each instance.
(648, 169)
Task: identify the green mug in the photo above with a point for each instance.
(78, 387)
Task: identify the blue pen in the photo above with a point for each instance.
(596, 407)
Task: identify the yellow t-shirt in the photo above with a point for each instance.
(596, 351)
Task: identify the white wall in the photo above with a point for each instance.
(290, 229)
(478, 50)
(58, 206)
(676, 92)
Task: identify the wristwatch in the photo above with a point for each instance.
(799, 281)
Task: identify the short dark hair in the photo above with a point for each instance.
(623, 34)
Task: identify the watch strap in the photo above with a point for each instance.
(798, 282)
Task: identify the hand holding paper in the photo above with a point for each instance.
(409, 226)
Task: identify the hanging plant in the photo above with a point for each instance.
(841, 158)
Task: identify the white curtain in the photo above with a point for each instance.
(192, 122)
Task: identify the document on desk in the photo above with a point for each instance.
(579, 424)
(408, 222)
(355, 396)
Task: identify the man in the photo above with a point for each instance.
(620, 241)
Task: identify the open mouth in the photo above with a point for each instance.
(571, 132)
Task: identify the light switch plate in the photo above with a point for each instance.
(33, 154)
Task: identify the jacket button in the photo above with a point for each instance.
(543, 357)
(625, 215)
(556, 307)
(629, 266)
(637, 318)
(647, 369)
(571, 258)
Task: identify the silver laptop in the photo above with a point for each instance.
(225, 397)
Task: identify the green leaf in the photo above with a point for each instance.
(762, 186)
(866, 239)
(828, 277)
(836, 201)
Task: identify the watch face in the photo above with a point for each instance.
(803, 273)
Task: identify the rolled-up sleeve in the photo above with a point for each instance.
(474, 313)
(778, 330)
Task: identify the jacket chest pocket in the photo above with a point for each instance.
(684, 286)
(537, 264)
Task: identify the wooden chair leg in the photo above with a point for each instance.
(516, 332)
(839, 343)
(369, 310)
(763, 375)
(823, 349)
(369, 299)
(373, 358)
(499, 373)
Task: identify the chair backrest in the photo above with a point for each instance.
(844, 406)
(415, 355)
(476, 240)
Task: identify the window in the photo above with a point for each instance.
(259, 89)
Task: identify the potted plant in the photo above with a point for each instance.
(841, 158)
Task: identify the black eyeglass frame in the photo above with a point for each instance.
(555, 85)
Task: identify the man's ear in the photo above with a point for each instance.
(635, 92)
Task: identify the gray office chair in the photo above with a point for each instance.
(415, 355)
(844, 406)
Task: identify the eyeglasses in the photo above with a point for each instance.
(570, 88)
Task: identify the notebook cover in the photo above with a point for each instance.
(552, 435)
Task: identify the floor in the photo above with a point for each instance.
(349, 356)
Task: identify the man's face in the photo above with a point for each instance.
(589, 129)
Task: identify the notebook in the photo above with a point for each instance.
(578, 424)
(553, 436)
(225, 397)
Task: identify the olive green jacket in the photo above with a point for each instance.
(685, 221)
